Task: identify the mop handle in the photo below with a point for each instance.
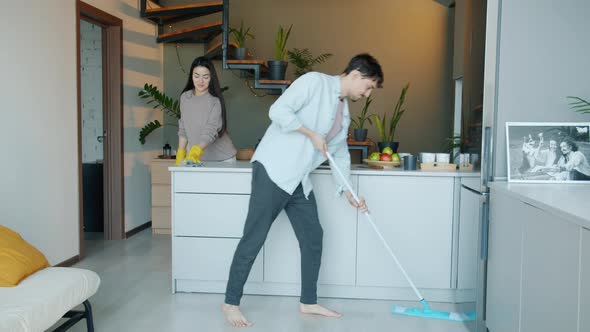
(349, 187)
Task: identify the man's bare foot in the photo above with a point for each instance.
(317, 309)
(234, 316)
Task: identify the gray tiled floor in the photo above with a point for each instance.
(134, 295)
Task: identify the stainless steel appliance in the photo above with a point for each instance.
(484, 145)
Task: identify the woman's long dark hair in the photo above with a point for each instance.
(214, 88)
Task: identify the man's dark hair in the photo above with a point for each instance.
(368, 66)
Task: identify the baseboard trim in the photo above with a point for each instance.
(69, 262)
(138, 229)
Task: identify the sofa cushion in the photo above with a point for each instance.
(18, 258)
(40, 300)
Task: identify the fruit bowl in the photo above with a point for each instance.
(382, 164)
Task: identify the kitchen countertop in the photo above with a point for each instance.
(568, 201)
(356, 169)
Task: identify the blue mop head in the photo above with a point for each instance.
(429, 313)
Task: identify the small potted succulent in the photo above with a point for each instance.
(278, 66)
(240, 37)
(360, 132)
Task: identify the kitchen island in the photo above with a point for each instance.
(539, 257)
(420, 214)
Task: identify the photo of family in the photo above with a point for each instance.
(548, 152)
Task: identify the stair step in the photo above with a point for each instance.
(214, 50)
(171, 14)
(247, 62)
(277, 82)
(151, 4)
(199, 34)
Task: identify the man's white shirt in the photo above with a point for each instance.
(289, 156)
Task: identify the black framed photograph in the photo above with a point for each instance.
(548, 152)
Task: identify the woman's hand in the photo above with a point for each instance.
(362, 206)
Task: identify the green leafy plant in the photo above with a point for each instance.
(304, 61)
(579, 105)
(359, 122)
(452, 143)
(387, 130)
(241, 35)
(281, 43)
(161, 101)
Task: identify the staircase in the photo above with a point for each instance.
(214, 35)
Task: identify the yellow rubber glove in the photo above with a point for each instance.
(180, 155)
(194, 154)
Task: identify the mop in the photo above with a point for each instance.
(418, 312)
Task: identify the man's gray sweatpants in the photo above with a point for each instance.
(266, 202)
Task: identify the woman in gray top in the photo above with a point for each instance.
(203, 122)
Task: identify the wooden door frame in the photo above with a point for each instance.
(114, 217)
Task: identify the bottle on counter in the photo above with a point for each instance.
(167, 150)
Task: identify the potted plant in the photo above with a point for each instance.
(387, 130)
(453, 145)
(360, 132)
(278, 66)
(240, 37)
(304, 61)
(160, 100)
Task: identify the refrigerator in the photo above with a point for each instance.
(478, 123)
(481, 127)
(528, 69)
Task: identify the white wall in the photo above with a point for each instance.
(39, 173)
(543, 57)
(411, 39)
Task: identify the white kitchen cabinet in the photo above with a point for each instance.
(209, 211)
(415, 216)
(208, 259)
(468, 235)
(538, 274)
(212, 182)
(338, 219)
(550, 273)
(212, 215)
(585, 286)
(504, 263)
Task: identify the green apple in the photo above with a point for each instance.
(395, 157)
(374, 156)
(387, 150)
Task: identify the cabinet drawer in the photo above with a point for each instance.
(207, 259)
(160, 172)
(210, 214)
(161, 217)
(160, 195)
(212, 182)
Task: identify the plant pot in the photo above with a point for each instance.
(360, 135)
(276, 70)
(241, 53)
(393, 145)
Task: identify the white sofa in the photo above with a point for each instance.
(42, 299)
